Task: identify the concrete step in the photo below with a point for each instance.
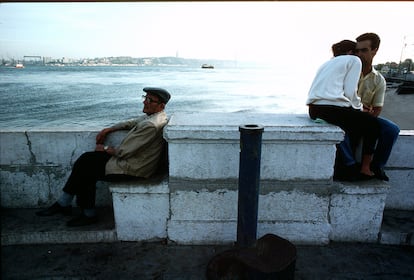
(397, 228)
(22, 226)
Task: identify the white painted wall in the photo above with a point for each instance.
(197, 203)
(34, 165)
(400, 169)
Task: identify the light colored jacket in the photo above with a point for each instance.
(140, 151)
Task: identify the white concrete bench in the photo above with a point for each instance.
(141, 208)
(298, 199)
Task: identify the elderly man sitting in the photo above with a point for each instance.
(138, 155)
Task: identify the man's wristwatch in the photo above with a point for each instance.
(106, 148)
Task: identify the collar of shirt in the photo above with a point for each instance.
(152, 115)
(373, 73)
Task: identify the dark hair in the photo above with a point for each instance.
(343, 47)
(374, 38)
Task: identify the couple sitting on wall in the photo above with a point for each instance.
(348, 92)
(138, 155)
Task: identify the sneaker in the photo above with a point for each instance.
(82, 220)
(56, 208)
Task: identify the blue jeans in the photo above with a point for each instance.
(389, 132)
(347, 151)
(388, 135)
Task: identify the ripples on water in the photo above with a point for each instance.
(43, 97)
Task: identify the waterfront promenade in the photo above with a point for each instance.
(106, 258)
(399, 108)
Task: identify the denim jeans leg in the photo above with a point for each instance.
(389, 132)
(346, 151)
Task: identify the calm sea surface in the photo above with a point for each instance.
(48, 97)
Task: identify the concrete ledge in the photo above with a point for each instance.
(206, 146)
(22, 226)
(302, 213)
(397, 228)
(35, 164)
(356, 211)
(58, 237)
(401, 195)
(221, 204)
(298, 232)
(225, 232)
(195, 232)
(397, 238)
(141, 208)
(400, 170)
(197, 203)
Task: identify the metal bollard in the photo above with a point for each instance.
(249, 180)
(269, 257)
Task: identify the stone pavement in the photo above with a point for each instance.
(44, 248)
(399, 109)
(132, 260)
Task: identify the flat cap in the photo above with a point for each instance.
(162, 94)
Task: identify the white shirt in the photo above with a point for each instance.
(336, 83)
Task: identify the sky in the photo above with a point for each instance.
(279, 33)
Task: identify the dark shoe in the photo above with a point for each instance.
(380, 174)
(347, 173)
(82, 220)
(55, 209)
(365, 177)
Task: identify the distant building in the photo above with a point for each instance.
(32, 60)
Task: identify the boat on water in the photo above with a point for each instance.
(19, 65)
(207, 66)
(404, 82)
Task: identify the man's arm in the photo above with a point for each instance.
(126, 125)
(376, 111)
(100, 138)
(378, 101)
(102, 148)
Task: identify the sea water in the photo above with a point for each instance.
(98, 96)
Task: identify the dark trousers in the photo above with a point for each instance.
(355, 123)
(87, 170)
